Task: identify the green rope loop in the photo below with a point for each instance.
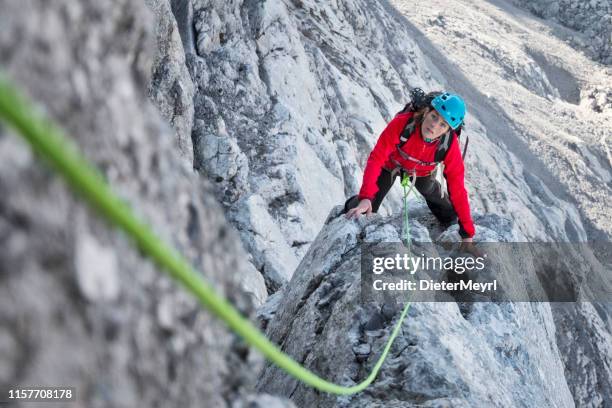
(50, 143)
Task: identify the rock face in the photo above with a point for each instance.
(79, 305)
(584, 341)
(280, 127)
(276, 105)
(591, 19)
(171, 87)
(291, 96)
(447, 354)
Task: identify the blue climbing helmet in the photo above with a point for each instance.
(451, 107)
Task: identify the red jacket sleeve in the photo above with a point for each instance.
(454, 173)
(387, 141)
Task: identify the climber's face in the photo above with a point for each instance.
(434, 125)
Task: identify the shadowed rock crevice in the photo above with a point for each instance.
(560, 78)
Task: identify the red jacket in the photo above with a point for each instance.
(385, 155)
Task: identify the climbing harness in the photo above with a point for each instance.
(49, 142)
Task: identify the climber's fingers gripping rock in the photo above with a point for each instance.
(364, 206)
(467, 246)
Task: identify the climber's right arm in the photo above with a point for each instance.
(384, 147)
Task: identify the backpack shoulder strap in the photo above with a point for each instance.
(406, 132)
(467, 140)
(446, 143)
(444, 147)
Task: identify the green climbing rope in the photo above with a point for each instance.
(407, 185)
(50, 143)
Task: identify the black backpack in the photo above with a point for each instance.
(418, 100)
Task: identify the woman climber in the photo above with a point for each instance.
(424, 134)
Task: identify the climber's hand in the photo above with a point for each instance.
(467, 245)
(364, 206)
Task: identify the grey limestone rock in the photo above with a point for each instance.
(591, 19)
(79, 305)
(448, 353)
